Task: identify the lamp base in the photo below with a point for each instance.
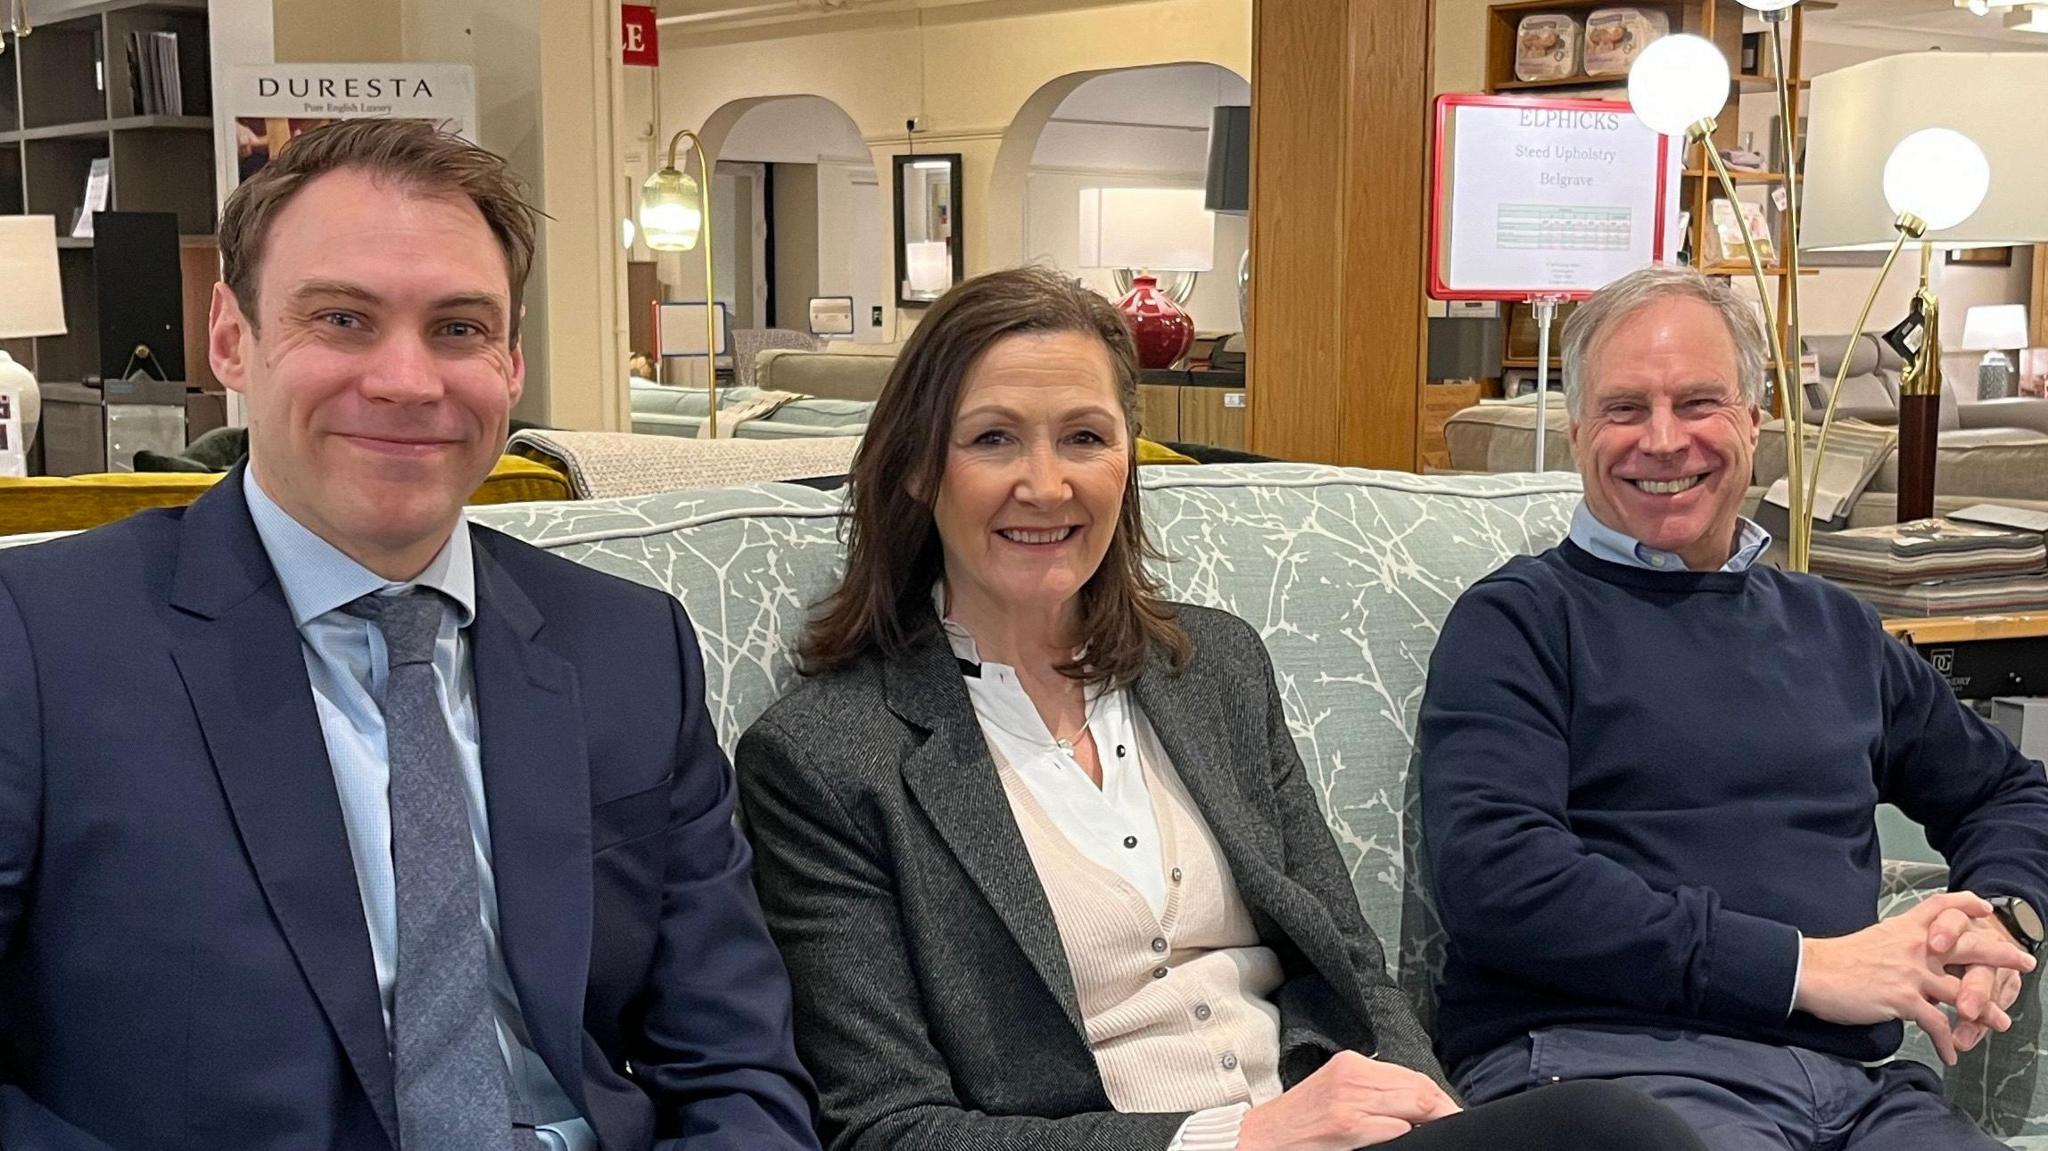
(1919, 434)
(1994, 377)
(1161, 328)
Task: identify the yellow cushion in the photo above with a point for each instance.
(75, 503)
(1157, 453)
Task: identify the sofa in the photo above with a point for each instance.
(745, 413)
(1348, 575)
(1973, 465)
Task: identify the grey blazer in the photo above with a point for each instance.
(934, 1004)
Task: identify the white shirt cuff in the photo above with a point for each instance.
(1212, 1130)
(1798, 969)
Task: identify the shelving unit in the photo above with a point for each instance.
(1720, 21)
(66, 101)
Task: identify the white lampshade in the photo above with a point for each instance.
(1861, 113)
(1153, 229)
(1678, 81)
(929, 267)
(1937, 174)
(1995, 328)
(1768, 5)
(31, 295)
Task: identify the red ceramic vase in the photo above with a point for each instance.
(1162, 330)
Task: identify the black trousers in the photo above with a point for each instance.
(1577, 1116)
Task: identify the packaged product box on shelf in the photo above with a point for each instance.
(1616, 36)
(1547, 47)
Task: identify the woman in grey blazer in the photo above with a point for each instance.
(1037, 844)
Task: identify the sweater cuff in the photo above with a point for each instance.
(1212, 1130)
(1752, 968)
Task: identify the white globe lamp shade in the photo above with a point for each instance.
(1768, 5)
(1677, 82)
(1939, 175)
(671, 211)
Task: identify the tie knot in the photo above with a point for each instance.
(410, 621)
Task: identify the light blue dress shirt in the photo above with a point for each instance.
(1603, 542)
(349, 666)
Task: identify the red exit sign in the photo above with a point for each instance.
(641, 35)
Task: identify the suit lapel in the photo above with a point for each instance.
(536, 773)
(239, 655)
(953, 780)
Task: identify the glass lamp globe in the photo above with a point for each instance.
(671, 212)
(1677, 82)
(1768, 5)
(1939, 175)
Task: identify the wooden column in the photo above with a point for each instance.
(1340, 141)
(2037, 310)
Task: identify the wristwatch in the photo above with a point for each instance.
(2019, 918)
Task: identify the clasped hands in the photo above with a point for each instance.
(1950, 950)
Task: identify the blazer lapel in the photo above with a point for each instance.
(536, 774)
(953, 780)
(1200, 748)
(238, 653)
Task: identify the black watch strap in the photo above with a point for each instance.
(2020, 919)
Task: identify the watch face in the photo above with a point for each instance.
(2026, 919)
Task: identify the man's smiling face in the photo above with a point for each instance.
(1664, 437)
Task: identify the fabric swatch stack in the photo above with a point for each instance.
(1937, 566)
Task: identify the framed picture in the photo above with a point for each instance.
(2033, 372)
(1982, 257)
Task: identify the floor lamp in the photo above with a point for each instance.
(1949, 119)
(1932, 180)
(675, 215)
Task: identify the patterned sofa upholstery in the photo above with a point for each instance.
(1347, 574)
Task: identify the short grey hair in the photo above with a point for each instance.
(1594, 319)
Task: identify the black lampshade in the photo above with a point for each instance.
(1229, 189)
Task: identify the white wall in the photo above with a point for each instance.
(852, 232)
(1136, 128)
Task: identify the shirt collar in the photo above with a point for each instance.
(1603, 542)
(318, 577)
(957, 637)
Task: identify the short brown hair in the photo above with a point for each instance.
(892, 545)
(416, 153)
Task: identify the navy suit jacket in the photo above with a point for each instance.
(183, 958)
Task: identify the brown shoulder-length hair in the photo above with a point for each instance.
(892, 543)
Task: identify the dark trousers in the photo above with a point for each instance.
(1738, 1095)
(1563, 1117)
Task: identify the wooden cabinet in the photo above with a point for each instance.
(1193, 407)
(1720, 21)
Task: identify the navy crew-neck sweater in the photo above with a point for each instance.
(1640, 787)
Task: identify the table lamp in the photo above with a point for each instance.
(31, 304)
(1992, 329)
(1150, 230)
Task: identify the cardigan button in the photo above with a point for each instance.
(1202, 1012)
(1176, 875)
(1130, 841)
(1159, 973)
(1229, 1061)
(1159, 946)
(1119, 751)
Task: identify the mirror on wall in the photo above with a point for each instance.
(929, 227)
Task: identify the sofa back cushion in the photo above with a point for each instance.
(1346, 573)
(832, 375)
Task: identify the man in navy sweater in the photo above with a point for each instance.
(1650, 768)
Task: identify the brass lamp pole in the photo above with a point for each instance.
(675, 212)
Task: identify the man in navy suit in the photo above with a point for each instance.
(329, 821)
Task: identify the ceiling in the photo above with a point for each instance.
(1915, 25)
(1891, 25)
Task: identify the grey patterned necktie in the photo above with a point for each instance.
(451, 1075)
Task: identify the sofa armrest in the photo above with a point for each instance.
(2027, 412)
